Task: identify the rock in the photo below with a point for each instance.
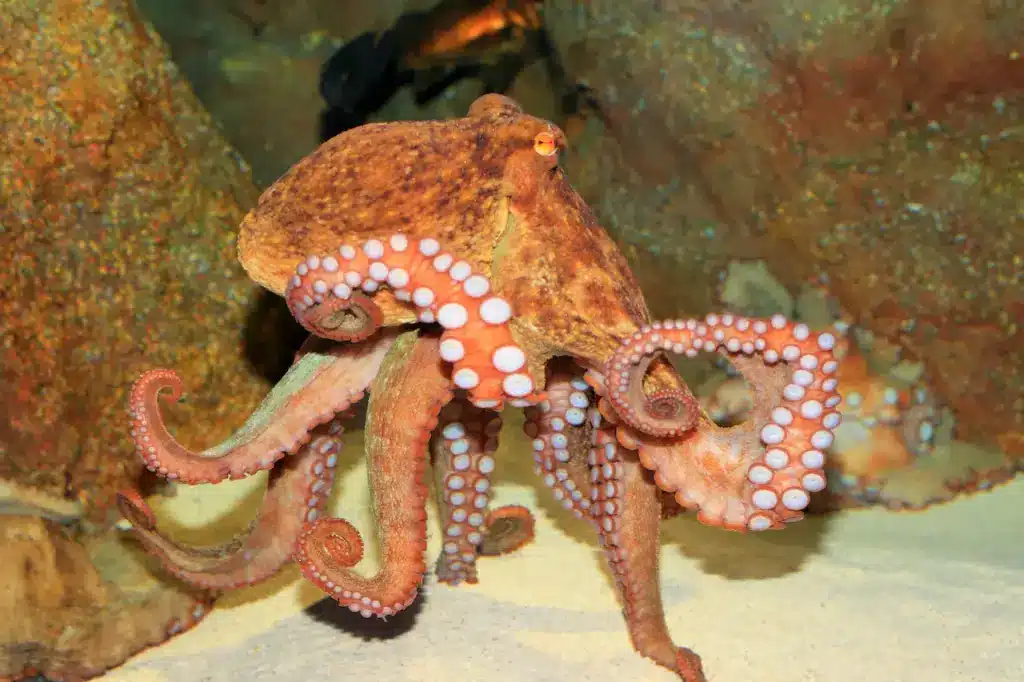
(255, 64)
(119, 208)
(873, 149)
(84, 604)
(119, 203)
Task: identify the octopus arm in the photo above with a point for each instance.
(328, 296)
(295, 495)
(560, 447)
(405, 401)
(757, 475)
(596, 478)
(324, 380)
(627, 513)
(463, 458)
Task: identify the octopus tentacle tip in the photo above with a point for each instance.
(158, 381)
(135, 509)
(689, 666)
(670, 412)
(329, 543)
(509, 528)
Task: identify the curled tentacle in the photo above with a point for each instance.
(324, 380)
(328, 295)
(759, 474)
(560, 448)
(334, 544)
(463, 462)
(296, 492)
(340, 319)
(411, 382)
(892, 448)
(508, 528)
(663, 413)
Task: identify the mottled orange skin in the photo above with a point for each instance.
(478, 186)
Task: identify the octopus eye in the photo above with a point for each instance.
(545, 144)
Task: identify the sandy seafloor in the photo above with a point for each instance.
(863, 596)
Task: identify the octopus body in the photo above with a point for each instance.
(448, 270)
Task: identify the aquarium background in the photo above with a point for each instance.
(856, 165)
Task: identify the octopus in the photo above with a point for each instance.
(449, 270)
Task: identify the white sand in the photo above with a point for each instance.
(859, 597)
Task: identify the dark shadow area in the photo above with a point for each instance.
(271, 336)
(746, 556)
(331, 613)
(426, 51)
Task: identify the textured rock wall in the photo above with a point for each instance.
(872, 147)
(119, 202)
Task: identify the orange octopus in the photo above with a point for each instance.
(450, 270)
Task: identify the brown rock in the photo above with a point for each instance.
(119, 203)
(82, 604)
(118, 209)
(878, 152)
